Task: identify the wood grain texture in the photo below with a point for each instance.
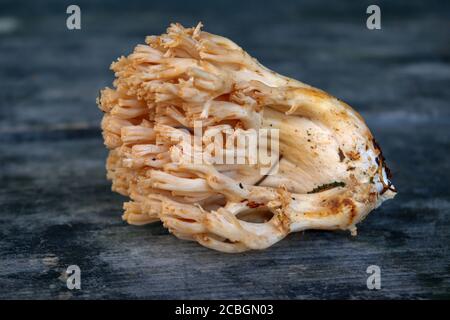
(56, 207)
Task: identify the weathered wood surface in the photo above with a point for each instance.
(56, 207)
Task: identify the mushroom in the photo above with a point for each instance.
(328, 172)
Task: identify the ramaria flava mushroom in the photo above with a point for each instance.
(330, 171)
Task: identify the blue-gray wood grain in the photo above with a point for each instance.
(56, 207)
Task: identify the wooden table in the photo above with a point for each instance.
(56, 207)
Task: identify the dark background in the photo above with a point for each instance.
(56, 207)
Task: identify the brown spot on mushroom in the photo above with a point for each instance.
(341, 155)
(252, 204)
(353, 155)
(282, 223)
(352, 214)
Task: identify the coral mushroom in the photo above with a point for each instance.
(328, 173)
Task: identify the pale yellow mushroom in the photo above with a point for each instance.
(330, 171)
